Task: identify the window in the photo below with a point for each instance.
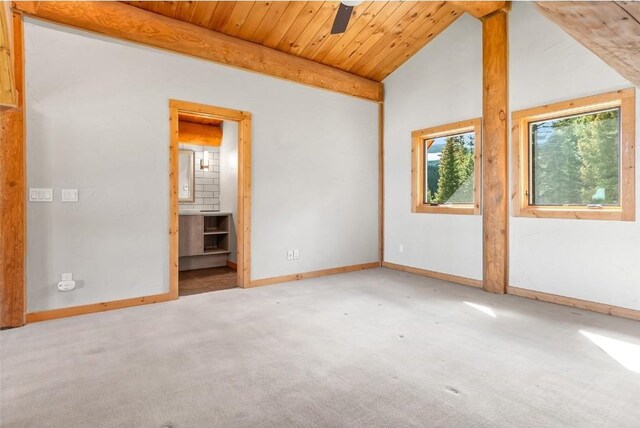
(446, 168)
(575, 159)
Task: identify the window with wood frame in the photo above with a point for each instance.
(576, 159)
(445, 170)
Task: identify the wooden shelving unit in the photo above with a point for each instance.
(204, 240)
(216, 235)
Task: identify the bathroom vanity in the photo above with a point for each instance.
(204, 239)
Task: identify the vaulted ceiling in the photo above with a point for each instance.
(610, 29)
(293, 40)
(380, 37)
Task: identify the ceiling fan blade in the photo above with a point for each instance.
(342, 19)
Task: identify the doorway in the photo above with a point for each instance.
(208, 278)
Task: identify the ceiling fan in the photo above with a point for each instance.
(342, 16)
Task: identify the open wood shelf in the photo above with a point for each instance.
(215, 250)
(204, 241)
(216, 224)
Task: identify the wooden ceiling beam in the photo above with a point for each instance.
(611, 30)
(480, 9)
(199, 134)
(8, 92)
(115, 19)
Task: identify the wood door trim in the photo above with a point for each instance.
(243, 237)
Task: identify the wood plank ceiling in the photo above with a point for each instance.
(610, 29)
(380, 37)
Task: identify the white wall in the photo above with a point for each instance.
(441, 84)
(229, 179)
(97, 120)
(591, 260)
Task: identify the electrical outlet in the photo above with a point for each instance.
(296, 254)
(289, 254)
(69, 195)
(401, 248)
(67, 283)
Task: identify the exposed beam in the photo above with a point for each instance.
(611, 30)
(199, 134)
(495, 197)
(480, 9)
(8, 93)
(126, 22)
(13, 196)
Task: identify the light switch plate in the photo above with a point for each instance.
(69, 195)
(40, 195)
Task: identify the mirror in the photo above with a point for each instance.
(186, 177)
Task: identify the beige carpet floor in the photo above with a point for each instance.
(375, 348)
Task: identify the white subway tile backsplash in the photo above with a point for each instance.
(209, 201)
(207, 182)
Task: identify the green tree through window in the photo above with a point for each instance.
(450, 166)
(575, 160)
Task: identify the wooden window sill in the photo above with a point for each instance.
(447, 209)
(576, 213)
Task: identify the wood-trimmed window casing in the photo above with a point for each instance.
(520, 151)
(418, 137)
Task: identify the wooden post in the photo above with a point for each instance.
(495, 97)
(8, 93)
(381, 182)
(13, 196)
